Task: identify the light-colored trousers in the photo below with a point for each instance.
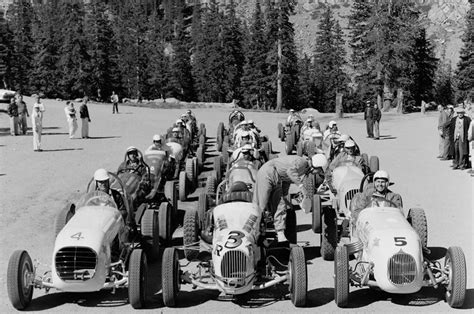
(72, 123)
(376, 129)
(37, 138)
(85, 127)
(14, 125)
(443, 145)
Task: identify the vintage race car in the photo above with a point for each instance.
(95, 249)
(389, 252)
(235, 117)
(237, 260)
(290, 134)
(310, 143)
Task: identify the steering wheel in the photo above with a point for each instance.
(383, 199)
(99, 200)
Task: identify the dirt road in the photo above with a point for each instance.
(36, 185)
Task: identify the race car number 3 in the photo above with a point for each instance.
(234, 240)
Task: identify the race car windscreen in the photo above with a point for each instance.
(96, 198)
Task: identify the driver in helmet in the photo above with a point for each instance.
(132, 163)
(378, 192)
(158, 145)
(180, 124)
(292, 117)
(244, 138)
(102, 183)
(190, 115)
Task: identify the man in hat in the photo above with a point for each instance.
(22, 114)
(37, 126)
(376, 116)
(12, 111)
(70, 113)
(461, 142)
(85, 118)
(368, 117)
(443, 136)
(449, 129)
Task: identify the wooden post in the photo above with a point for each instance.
(339, 108)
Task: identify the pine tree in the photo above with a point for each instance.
(444, 89)
(465, 67)
(20, 16)
(5, 51)
(306, 80)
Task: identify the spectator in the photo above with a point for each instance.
(461, 143)
(368, 117)
(114, 99)
(376, 116)
(22, 114)
(12, 111)
(470, 138)
(38, 102)
(85, 118)
(37, 126)
(443, 136)
(449, 128)
(70, 112)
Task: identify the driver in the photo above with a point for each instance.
(364, 199)
(332, 131)
(243, 139)
(292, 117)
(190, 115)
(132, 163)
(158, 145)
(102, 183)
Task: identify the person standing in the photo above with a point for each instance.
(114, 99)
(37, 126)
(12, 111)
(449, 128)
(470, 138)
(70, 112)
(22, 114)
(85, 118)
(376, 116)
(368, 117)
(443, 136)
(461, 143)
(38, 102)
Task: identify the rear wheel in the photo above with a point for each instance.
(455, 264)
(225, 148)
(218, 168)
(20, 273)
(417, 219)
(202, 208)
(374, 163)
(137, 276)
(220, 136)
(191, 234)
(190, 171)
(170, 276)
(165, 223)
(182, 186)
(341, 277)
(328, 234)
(200, 157)
(316, 214)
(63, 217)
(298, 284)
(150, 234)
(211, 183)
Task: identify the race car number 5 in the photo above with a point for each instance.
(234, 240)
(400, 241)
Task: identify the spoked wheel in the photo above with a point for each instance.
(165, 223)
(170, 274)
(182, 186)
(341, 277)
(137, 277)
(298, 281)
(455, 265)
(328, 234)
(20, 274)
(150, 233)
(417, 219)
(191, 234)
(316, 214)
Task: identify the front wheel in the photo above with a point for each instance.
(316, 214)
(298, 277)
(417, 219)
(182, 186)
(341, 277)
(20, 274)
(170, 276)
(165, 223)
(191, 234)
(150, 233)
(455, 265)
(328, 234)
(137, 276)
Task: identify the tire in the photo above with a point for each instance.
(220, 136)
(299, 149)
(280, 131)
(137, 279)
(19, 292)
(374, 163)
(289, 144)
(267, 149)
(455, 263)
(202, 209)
(417, 219)
(290, 231)
(298, 277)
(218, 168)
(62, 218)
(328, 234)
(189, 169)
(182, 186)
(195, 173)
(150, 234)
(170, 277)
(365, 158)
(316, 214)
(165, 223)
(170, 193)
(200, 157)
(211, 184)
(341, 277)
(190, 233)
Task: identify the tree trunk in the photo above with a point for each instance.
(387, 101)
(400, 100)
(279, 88)
(339, 109)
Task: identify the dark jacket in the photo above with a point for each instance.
(467, 121)
(377, 114)
(84, 112)
(369, 113)
(12, 110)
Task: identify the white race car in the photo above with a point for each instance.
(389, 255)
(95, 249)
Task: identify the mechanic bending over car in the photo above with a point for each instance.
(373, 196)
(102, 183)
(273, 183)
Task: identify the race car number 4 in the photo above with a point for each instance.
(77, 236)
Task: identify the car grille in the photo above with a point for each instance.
(234, 266)
(349, 196)
(401, 269)
(75, 263)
